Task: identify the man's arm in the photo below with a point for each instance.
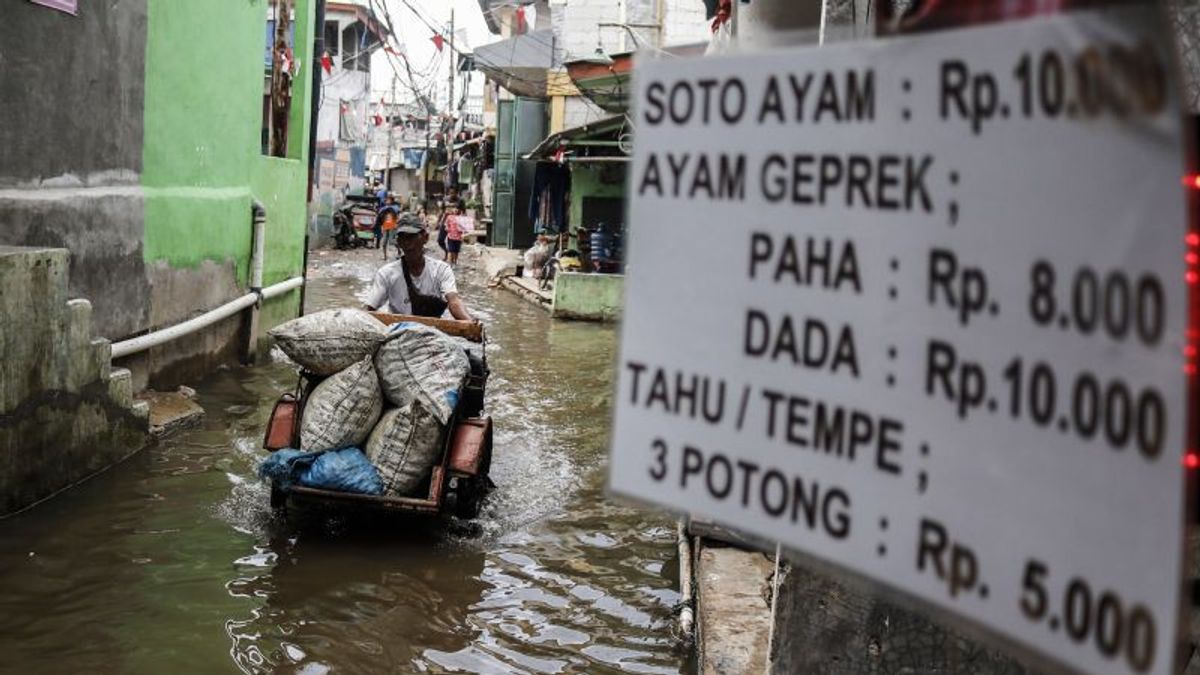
(458, 309)
(377, 295)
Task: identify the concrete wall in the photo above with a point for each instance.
(71, 101)
(132, 138)
(823, 626)
(684, 22)
(588, 297)
(63, 414)
(579, 33)
(760, 21)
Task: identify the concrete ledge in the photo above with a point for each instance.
(734, 610)
(170, 412)
(498, 262)
(588, 297)
(528, 289)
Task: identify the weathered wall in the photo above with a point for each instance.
(758, 22)
(824, 627)
(71, 147)
(63, 414)
(589, 297)
(84, 116)
(132, 138)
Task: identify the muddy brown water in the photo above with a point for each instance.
(174, 562)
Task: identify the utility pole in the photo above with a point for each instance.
(387, 116)
(425, 161)
(453, 67)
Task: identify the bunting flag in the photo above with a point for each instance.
(521, 26)
(438, 40)
(391, 50)
(326, 63)
(724, 12)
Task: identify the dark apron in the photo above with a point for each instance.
(422, 305)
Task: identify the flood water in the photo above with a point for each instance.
(173, 561)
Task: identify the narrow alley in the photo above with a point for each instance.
(186, 564)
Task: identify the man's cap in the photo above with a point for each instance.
(410, 224)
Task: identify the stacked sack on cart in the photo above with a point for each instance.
(377, 422)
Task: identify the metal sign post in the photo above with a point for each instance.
(917, 308)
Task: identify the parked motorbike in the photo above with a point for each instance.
(354, 222)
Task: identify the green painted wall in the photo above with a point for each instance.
(202, 160)
(590, 297)
(593, 180)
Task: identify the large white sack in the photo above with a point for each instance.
(420, 363)
(329, 341)
(342, 409)
(403, 447)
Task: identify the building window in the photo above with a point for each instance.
(356, 45)
(331, 38)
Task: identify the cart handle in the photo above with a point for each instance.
(471, 330)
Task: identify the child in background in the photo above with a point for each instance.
(454, 234)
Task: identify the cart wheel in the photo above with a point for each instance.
(470, 498)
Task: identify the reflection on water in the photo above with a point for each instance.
(173, 560)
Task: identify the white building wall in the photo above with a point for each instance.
(342, 85)
(578, 111)
(760, 22)
(684, 23)
(577, 25)
(579, 32)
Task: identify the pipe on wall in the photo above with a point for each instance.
(687, 614)
(258, 218)
(250, 301)
(161, 337)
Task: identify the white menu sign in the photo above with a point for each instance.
(917, 307)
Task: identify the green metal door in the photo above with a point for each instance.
(520, 125)
(505, 183)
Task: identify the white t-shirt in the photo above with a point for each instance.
(389, 293)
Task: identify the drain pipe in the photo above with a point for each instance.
(252, 301)
(258, 218)
(687, 610)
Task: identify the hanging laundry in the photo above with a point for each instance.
(466, 170)
(548, 200)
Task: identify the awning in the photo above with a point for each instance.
(604, 79)
(519, 63)
(402, 158)
(599, 136)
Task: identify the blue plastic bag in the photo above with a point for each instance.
(283, 467)
(346, 470)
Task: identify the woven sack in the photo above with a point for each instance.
(330, 341)
(342, 409)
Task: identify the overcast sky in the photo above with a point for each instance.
(428, 66)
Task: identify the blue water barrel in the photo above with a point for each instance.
(602, 246)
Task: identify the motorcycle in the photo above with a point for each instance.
(354, 222)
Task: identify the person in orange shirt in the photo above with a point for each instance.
(388, 217)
